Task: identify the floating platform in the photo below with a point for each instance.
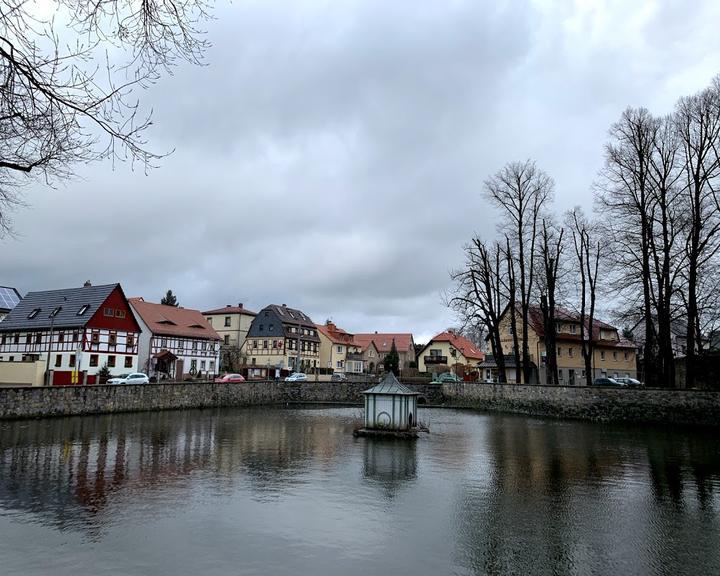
(380, 433)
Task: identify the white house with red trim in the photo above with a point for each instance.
(81, 329)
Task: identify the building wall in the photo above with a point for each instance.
(236, 332)
(22, 373)
(283, 354)
(444, 348)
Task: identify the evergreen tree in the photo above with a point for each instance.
(392, 360)
(170, 299)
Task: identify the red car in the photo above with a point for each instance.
(230, 378)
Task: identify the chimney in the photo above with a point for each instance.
(284, 305)
(228, 305)
(375, 331)
(240, 305)
(87, 284)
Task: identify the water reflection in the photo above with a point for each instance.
(281, 491)
(389, 463)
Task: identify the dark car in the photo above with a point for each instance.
(607, 382)
(630, 382)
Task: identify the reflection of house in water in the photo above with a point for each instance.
(69, 470)
(390, 463)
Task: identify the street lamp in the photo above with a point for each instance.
(49, 350)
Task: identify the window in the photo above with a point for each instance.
(109, 312)
(510, 328)
(212, 365)
(28, 338)
(202, 364)
(16, 339)
(571, 352)
(226, 339)
(265, 343)
(4, 338)
(339, 348)
(33, 313)
(193, 365)
(559, 351)
(128, 361)
(204, 346)
(602, 354)
(372, 354)
(58, 360)
(271, 327)
(119, 313)
(573, 328)
(76, 335)
(227, 320)
(315, 347)
(560, 374)
(163, 342)
(111, 362)
(95, 337)
(112, 339)
(209, 319)
(625, 356)
(180, 345)
(71, 362)
(61, 337)
(93, 359)
(262, 327)
(130, 340)
(38, 338)
(83, 309)
(614, 356)
(195, 345)
(253, 361)
(339, 364)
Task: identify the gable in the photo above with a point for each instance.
(122, 319)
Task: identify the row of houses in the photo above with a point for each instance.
(75, 332)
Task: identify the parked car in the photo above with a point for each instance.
(296, 377)
(447, 377)
(607, 382)
(230, 378)
(338, 377)
(631, 382)
(134, 378)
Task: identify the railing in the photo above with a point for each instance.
(436, 359)
(356, 356)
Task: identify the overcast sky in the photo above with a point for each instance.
(331, 154)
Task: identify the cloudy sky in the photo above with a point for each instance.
(331, 154)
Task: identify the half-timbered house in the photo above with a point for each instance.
(81, 329)
(176, 342)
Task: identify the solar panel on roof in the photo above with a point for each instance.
(8, 298)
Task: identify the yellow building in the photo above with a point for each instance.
(613, 356)
(448, 349)
(232, 324)
(339, 351)
(280, 336)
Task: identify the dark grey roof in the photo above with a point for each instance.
(390, 385)
(71, 300)
(9, 298)
(490, 362)
(275, 321)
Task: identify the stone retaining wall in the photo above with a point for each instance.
(74, 400)
(695, 407)
(605, 404)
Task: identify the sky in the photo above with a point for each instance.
(331, 155)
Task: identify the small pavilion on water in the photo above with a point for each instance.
(390, 406)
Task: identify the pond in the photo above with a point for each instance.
(290, 491)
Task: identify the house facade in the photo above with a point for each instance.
(74, 331)
(283, 338)
(382, 343)
(613, 356)
(176, 343)
(449, 349)
(339, 351)
(232, 323)
(9, 298)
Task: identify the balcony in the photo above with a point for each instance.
(356, 356)
(435, 360)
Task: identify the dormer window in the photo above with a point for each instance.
(34, 313)
(55, 312)
(83, 309)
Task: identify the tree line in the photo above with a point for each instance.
(649, 250)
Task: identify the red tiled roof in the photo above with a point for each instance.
(336, 335)
(468, 349)
(231, 310)
(173, 321)
(383, 342)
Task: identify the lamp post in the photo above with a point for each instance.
(49, 350)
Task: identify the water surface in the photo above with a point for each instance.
(290, 491)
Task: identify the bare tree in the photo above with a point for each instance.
(67, 83)
(587, 261)
(551, 250)
(478, 298)
(521, 191)
(698, 123)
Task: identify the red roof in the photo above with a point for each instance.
(336, 335)
(383, 342)
(536, 322)
(468, 349)
(230, 310)
(173, 320)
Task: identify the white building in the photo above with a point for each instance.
(175, 342)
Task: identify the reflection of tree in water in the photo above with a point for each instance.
(67, 470)
(389, 462)
(555, 500)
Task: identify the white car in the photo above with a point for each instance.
(135, 378)
(296, 377)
